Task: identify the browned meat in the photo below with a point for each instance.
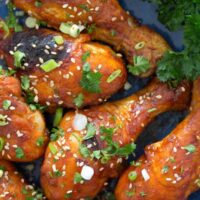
(89, 71)
(170, 169)
(94, 142)
(12, 185)
(23, 136)
(109, 22)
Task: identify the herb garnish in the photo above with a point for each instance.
(90, 80)
(140, 65)
(177, 66)
(11, 20)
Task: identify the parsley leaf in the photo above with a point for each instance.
(19, 152)
(6, 104)
(140, 65)
(190, 148)
(91, 130)
(85, 56)
(79, 100)
(90, 80)
(56, 133)
(77, 178)
(25, 83)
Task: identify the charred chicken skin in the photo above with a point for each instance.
(94, 142)
(61, 74)
(23, 136)
(107, 22)
(170, 169)
(12, 185)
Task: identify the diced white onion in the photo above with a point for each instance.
(80, 122)
(145, 175)
(31, 22)
(87, 172)
(127, 86)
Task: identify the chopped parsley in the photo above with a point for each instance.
(165, 169)
(79, 100)
(77, 178)
(40, 141)
(56, 133)
(172, 159)
(68, 195)
(6, 104)
(90, 80)
(190, 148)
(91, 28)
(140, 65)
(142, 194)
(85, 56)
(25, 83)
(130, 193)
(57, 173)
(19, 152)
(84, 151)
(91, 130)
(84, 7)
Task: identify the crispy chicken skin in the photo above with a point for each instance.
(112, 25)
(23, 134)
(61, 86)
(12, 185)
(65, 158)
(172, 165)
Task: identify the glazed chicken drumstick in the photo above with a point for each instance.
(13, 186)
(64, 71)
(90, 145)
(170, 169)
(23, 135)
(106, 22)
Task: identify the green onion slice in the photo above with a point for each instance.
(114, 75)
(49, 65)
(58, 116)
(58, 39)
(2, 142)
(18, 57)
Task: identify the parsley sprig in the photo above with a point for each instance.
(175, 15)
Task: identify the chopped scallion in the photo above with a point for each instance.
(49, 65)
(114, 75)
(18, 58)
(58, 39)
(58, 117)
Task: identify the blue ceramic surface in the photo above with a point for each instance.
(146, 14)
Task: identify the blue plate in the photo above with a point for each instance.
(164, 123)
